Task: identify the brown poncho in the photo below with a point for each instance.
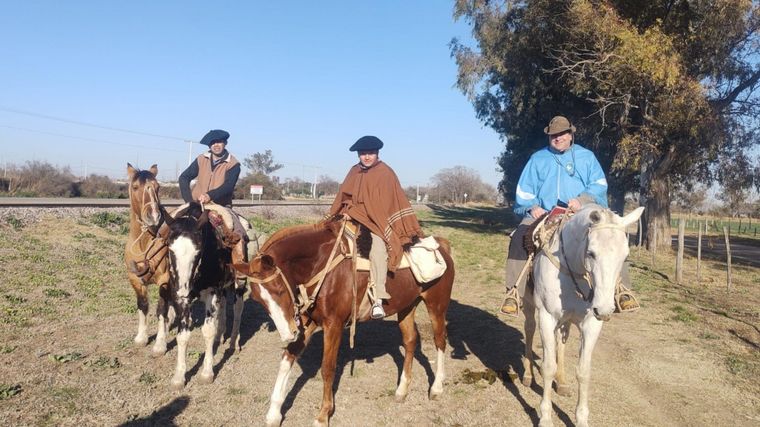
(374, 198)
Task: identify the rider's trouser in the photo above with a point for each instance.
(378, 261)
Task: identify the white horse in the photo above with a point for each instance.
(574, 282)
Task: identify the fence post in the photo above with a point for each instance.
(699, 252)
(654, 241)
(679, 257)
(640, 229)
(728, 260)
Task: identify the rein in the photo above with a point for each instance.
(303, 302)
(567, 269)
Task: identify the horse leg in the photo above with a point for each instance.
(274, 416)
(590, 329)
(183, 336)
(333, 332)
(529, 310)
(141, 293)
(210, 330)
(238, 313)
(437, 315)
(221, 318)
(563, 389)
(162, 313)
(409, 338)
(547, 324)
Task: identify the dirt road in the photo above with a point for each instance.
(66, 343)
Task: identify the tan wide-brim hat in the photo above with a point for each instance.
(559, 124)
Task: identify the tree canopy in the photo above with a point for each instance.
(662, 91)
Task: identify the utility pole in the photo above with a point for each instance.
(190, 153)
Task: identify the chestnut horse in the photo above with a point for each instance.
(300, 254)
(144, 220)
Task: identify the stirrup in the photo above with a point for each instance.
(625, 301)
(511, 304)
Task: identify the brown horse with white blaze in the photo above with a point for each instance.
(296, 255)
(145, 218)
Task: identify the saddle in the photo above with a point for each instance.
(541, 232)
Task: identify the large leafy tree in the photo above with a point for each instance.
(660, 90)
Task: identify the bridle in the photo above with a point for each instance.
(568, 270)
(303, 302)
(151, 229)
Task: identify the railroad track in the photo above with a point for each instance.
(40, 202)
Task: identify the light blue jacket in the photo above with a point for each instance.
(546, 179)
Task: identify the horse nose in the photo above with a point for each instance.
(600, 316)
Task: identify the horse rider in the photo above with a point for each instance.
(561, 171)
(371, 195)
(217, 173)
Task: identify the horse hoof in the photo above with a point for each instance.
(274, 421)
(158, 351)
(400, 398)
(434, 395)
(563, 390)
(527, 380)
(206, 379)
(178, 385)
(318, 423)
(141, 341)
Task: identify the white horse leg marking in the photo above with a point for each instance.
(238, 313)
(277, 315)
(209, 330)
(274, 417)
(590, 329)
(440, 374)
(222, 319)
(178, 381)
(141, 338)
(403, 387)
(159, 347)
(547, 325)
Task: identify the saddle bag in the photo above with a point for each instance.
(426, 261)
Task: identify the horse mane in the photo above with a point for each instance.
(299, 230)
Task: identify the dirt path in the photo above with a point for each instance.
(648, 370)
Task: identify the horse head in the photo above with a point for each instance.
(595, 245)
(271, 289)
(185, 242)
(143, 195)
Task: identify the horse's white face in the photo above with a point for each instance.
(606, 250)
(185, 260)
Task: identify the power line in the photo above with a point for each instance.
(81, 123)
(91, 139)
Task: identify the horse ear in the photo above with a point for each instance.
(168, 218)
(202, 220)
(154, 170)
(244, 268)
(595, 217)
(633, 216)
(267, 261)
(131, 171)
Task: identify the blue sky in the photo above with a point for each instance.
(304, 79)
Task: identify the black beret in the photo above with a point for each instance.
(215, 135)
(367, 143)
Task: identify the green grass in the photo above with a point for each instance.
(9, 390)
